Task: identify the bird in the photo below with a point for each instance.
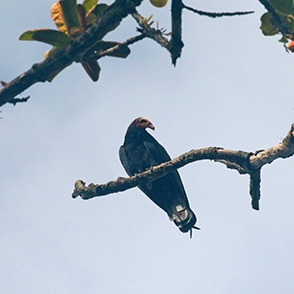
(141, 151)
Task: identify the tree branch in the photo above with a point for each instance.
(122, 184)
(75, 51)
(254, 189)
(244, 162)
(216, 14)
(282, 150)
(176, 43)
(19, 100)
(97, 55)
(81, 48)
(151, 33)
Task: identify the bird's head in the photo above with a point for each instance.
(144, 123)
(137, 128)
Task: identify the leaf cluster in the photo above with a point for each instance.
(279, 20)
(72, 20)
(79, 38)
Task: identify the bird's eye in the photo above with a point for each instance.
(143, 121)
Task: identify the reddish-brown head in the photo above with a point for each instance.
(144, 123)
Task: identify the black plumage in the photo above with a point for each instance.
(141, 151)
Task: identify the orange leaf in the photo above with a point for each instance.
(291, 46)
(56, 15)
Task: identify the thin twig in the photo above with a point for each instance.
(217, 14)
(128, 42)
(151, 33)
(102, 53)
(19, 100)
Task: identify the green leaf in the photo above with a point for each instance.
(122, 52)
(56, 15)
(81, 10)
(52, 37)
(99, 9)
(54, 74)
(289, 21)
(268, 29)
(27, 36)
(90, 18)
(92, 69)
(283, 6)
(94, 13)
(69, 13)
(51, 53)
(89, 4)
(284, 40)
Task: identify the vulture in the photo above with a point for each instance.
(139, 152)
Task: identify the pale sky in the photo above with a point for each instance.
(231, 88)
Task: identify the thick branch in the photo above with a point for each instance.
(255, 189)
(282, 150)
(176, 43)
(75, 51)
(244, 162)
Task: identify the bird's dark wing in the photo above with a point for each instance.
(156, 151)
(127, 164)
(168, 191)
(160, 155)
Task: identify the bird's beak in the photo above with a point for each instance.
(151, 126)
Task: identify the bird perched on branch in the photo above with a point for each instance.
(141, 151)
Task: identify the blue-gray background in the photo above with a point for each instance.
(232, 87)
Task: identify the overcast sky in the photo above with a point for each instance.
(231, 88)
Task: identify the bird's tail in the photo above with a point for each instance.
(184, 219)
